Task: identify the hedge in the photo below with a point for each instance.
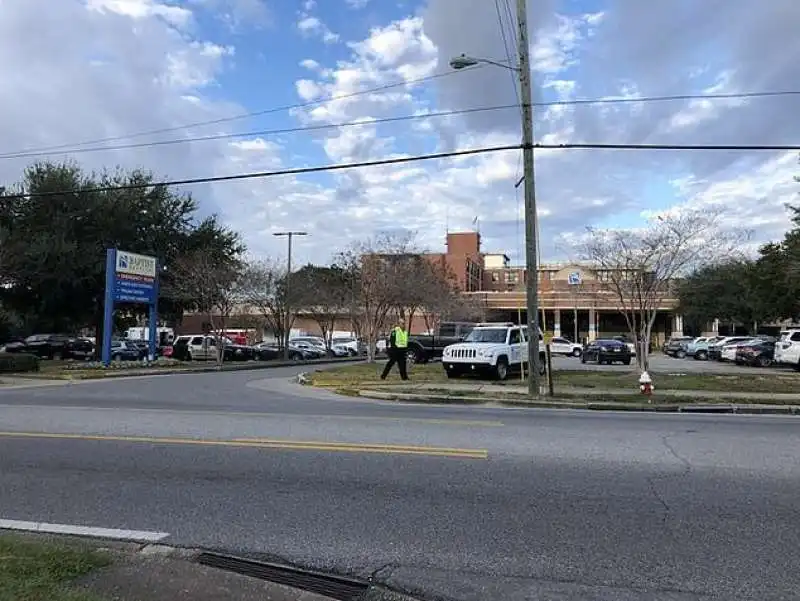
(18, 362)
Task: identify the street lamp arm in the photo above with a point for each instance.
(463, 61)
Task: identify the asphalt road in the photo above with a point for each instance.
(470, 504)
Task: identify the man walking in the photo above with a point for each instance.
(398, 346)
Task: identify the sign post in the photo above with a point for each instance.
(574, 279)
(130, 278)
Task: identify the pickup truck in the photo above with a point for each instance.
(422, 349)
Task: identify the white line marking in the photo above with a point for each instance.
(132, 535)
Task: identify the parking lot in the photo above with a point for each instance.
(661, 363)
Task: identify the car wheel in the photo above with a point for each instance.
(542, 365)
(627, 362)
(701, 356)
(57, 356)
(576, 352)
(764, 361)
(411, 356)
(501, 369)
(681, 354)
(116, 357)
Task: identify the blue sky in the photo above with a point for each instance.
(168, 63)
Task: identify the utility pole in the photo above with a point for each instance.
(531, 228)
(287, 304)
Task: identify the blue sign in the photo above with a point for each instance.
(130, 278)
(574, 278)
(134, 290)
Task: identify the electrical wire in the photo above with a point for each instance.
(505, 47)
(709, 147)
(267, 174)
(401, 160)
(576, 102)
(269, 132)
(258, 113)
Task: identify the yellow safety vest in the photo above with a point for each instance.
(400, 338)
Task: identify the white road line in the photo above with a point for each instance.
(131, 535)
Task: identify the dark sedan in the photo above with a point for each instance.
(758, 354)
(606, 351)
(55, 346)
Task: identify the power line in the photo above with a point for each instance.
(505, 47)
(269, 132)
(258, 113)
(711, 147)
(575, 102)
(409, 159)
(267, 174)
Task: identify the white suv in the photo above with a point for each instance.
(493, 350)
(787, 349)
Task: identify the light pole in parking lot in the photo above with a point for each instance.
(523, 71)
(289, 236)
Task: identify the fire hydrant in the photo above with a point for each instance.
(645, 384)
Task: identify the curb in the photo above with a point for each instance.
(721, 408)
(171, 371)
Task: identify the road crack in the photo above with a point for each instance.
(653, 480)
(388, 568)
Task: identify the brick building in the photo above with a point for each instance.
(572, 297)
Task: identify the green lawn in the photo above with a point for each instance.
(354, 376)
(39, 571)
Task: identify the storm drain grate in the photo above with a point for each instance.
(335, 587)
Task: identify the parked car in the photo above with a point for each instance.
(759, 354)
(495, 350)
(266, 352)
(627, 342)
(728, 351)
(787, 350)
(56, 346)
(564, 346)
(606, 351)
(423, 348)
(677, 346)
(124, 350)
(715, 350)
(698, 348)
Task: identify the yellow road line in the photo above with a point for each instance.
(264, 443)
(265, 414)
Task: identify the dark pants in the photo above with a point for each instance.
(396, 355)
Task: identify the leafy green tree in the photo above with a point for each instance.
(57, 223)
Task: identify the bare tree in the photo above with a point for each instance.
(372, 271)
(640, 267)
(323, 294)
(263, 289)
(209, 287)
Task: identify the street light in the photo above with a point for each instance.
(523, 71)
(463, 61)
(287, 308)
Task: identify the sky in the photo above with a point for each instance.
(148, 76)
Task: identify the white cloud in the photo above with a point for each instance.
(143, 9)
(110, 67)
(311, 25)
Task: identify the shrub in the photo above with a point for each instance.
(18, 362)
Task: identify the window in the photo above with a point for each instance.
(495, 277)
(197, 341)
(512, 277)
(795, 337)
(496, 335)
(447, 329)
(514, 337)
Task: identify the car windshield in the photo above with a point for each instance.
(487, 335)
